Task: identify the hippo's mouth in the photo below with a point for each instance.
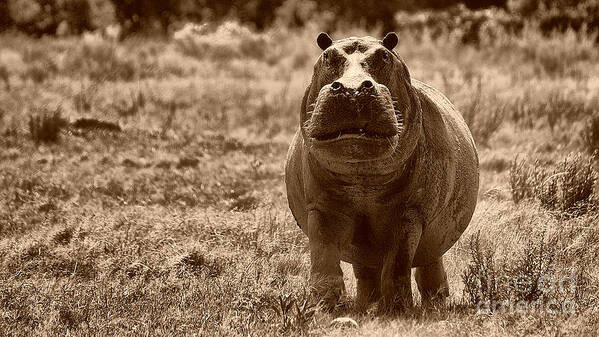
(354, 133)
(353, 145)
(361, 130)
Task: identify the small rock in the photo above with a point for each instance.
(344, 322)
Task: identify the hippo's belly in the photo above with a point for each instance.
(438, 236)
(443, 231)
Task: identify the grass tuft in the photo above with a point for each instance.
(295, 312)
(45, 126)
(63, 236)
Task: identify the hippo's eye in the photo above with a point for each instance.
(386, 57)
(325, 57)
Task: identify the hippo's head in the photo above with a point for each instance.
(360, 105)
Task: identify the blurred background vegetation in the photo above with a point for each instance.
(63, 17)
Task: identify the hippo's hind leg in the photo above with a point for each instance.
(368, 284)
(432, 282)
(326, 277)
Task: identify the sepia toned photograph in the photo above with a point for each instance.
(299, 168)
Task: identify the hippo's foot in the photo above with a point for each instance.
(328, 291)
(432, 283)
(396, 297)
(369, 286)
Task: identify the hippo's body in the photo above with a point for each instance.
(382, 173)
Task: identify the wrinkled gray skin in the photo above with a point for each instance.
(382, 173)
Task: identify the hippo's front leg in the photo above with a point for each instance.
(326, 277)
(396, 281)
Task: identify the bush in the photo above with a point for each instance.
(5, 19)
(483, 119)
(590, 135)
(5, 76)
(102, 59)
(41, 17)
(555, 108)
(566, 189)
(523, 180)
(39, 64)
(522, 112)
(45, 126)
(102, 14)
(524, 8)
(569, 188)
(557, 53)
(558, 15)
(563, 107)
(468, 26)
(481, 275)
(227, 41)
(294, 13)
(525, 280)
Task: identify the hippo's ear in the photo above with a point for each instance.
(390, 40)
(324, 41)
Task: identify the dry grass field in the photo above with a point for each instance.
(141, 186)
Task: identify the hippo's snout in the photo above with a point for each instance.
(363, 108)
(366, 87)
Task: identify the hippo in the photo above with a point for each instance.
(382, 173)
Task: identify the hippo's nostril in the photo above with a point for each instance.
(337, 86)
(367, 84)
